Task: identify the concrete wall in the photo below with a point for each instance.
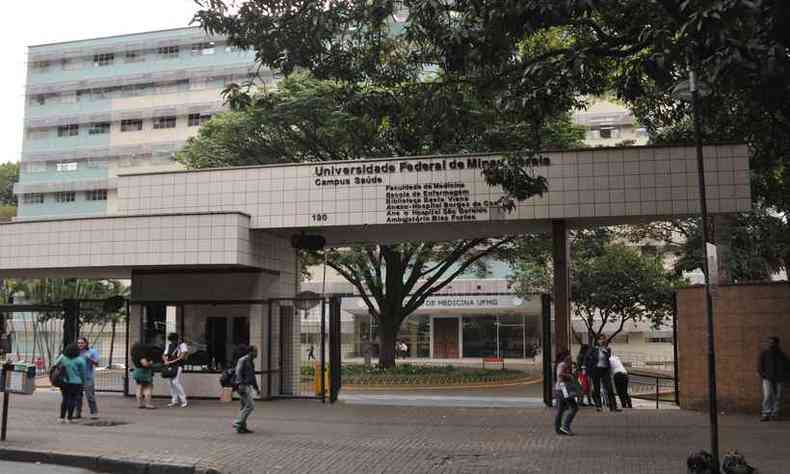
(744, 315)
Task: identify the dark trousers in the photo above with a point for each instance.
(563, 405)
(600, 376)
(621, 385)
(71, 396)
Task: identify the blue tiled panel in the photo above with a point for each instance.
(63, 176)
(54, 142)
(50, 208)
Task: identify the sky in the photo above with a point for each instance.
(33, 22)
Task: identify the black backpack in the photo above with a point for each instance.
(735, 463)
(57, 375)
(228, 378)
(700, 463)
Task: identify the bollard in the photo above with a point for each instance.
(320, 386)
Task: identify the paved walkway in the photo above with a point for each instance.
(305, 436)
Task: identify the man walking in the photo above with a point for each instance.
(772, 365)
(91, 357)
(620, 376)
(246, 381)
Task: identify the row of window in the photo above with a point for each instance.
(65, 196)
(127, 57)
(129, 125)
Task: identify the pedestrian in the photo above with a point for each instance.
(246, 383)
(584, 387)
(772, 365)
(311, 353)
(598, 359)
(620, 376)
(143, 375)
(565, 393)
(175, 354)
(88, 392)
(75, 370)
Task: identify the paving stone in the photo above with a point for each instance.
(306, 436)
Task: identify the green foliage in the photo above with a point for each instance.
(53, 291)
(9, 174)
(621, 285)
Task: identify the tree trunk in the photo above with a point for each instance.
(387, 335)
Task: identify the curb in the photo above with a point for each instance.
(100, 463)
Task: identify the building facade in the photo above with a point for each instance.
(102, 107)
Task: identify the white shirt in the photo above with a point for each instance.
(182, 349)
(616, 366)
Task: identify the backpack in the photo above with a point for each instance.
(57, 375)
(228, 378)
(735, 463)
(700, 463)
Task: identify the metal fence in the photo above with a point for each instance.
(658, 388)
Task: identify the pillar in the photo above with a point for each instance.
(561, 297)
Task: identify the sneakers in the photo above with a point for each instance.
(94, 416)
(566, 431)
(243, 430)
(172, 404)
(184, 405)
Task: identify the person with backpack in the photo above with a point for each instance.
(772, 365)
(70, 373)
(175, 355)
(565, 391)
(88, 392)
(245, 382)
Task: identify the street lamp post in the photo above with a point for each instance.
(713, 403)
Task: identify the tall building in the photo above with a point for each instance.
(102, 107)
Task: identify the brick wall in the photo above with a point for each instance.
(744, 315)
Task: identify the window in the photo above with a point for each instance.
(39, 99)
(96, 195)
(168, 52)
(39, 66)
(164, 122)
(99, 128)
(196, 120)
(103, 59)
(70, 130)
(70, 64)
(135, 56)
(131, 125)
(659, 339)
(33, 198)
(610, 132)
(72, 166)
(202, 49)
(65, 196)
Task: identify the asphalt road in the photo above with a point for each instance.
(31, 468)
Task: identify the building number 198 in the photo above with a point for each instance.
(320, 217)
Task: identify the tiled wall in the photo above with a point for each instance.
(148, 241)
(613, 183)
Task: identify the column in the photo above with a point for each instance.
(561, 297)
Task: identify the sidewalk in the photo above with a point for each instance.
(306, 436)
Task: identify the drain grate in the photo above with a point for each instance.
(104, 423)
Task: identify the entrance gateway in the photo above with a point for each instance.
(210, 249)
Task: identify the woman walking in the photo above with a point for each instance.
(565, 392)
(75, 373)
(175, 354)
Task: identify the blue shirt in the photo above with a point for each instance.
(91, 357)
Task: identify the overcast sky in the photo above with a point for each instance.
(31, 22)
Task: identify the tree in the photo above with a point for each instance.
(9, 175)
(620, 285)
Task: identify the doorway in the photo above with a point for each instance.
(445, 338)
